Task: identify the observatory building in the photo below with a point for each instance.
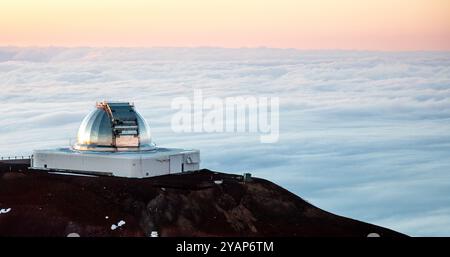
(114, 139)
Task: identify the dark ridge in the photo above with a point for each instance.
(200, 203)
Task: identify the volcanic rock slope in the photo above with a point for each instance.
(201, 203)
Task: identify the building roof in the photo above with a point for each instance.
(157, 152)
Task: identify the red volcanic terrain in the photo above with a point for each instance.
(200, 203)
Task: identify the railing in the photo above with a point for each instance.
(19, 157)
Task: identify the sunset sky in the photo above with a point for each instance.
(316, 24)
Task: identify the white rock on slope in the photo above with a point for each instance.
(2, 211)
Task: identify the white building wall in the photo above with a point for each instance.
(155, 167)
(135, 165)
(190, 167)
(176, 163)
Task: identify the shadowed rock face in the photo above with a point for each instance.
(188, 204)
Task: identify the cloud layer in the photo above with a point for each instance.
(362, 134)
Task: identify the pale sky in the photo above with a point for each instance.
(312, 24)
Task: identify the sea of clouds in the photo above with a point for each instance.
(362, 134)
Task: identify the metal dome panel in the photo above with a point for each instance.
(114, 126)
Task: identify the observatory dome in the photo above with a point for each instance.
(114, 126)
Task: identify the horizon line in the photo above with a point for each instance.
(229, 48)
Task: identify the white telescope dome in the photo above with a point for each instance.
(114, 126)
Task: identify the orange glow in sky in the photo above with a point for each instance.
(309, 24)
